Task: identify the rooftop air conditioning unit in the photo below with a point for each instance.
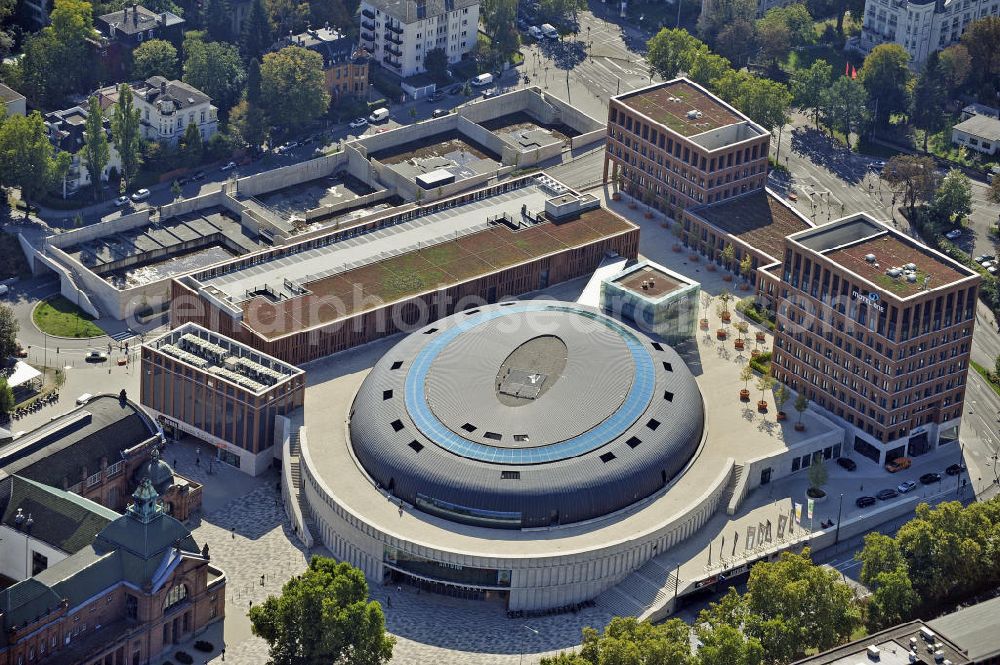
(894, 272)
(910, 266)
(692, 114)
(873, 652)
(870, 258)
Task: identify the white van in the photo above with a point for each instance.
(535, 32)
(482, 80)
(550, 31)
(378, 115)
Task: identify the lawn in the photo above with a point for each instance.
(62, 318)
(986, 376)
(804, 58)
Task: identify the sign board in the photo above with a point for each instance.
(872, 299)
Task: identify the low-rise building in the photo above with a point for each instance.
(345, 64)
(66, 132)
(657, 300)
(974, 630)
(14, 102)
(979, 132)
(220, 391)
(905, 644)
(101, 451)
(93, 586)
(400, 33)
(166, 108)
(920, 26)
(125, 29)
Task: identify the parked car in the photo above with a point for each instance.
(930, 478)
(953, 234)
(440, 113)
(228, 167)
(489, 92)
(96, 357)
(906, 486)
(121, 201)
(4, 289)
(358, 122)
(183, 181)
(984, 258)
(993, 270)
(140, 195)
(379, 115)
(886, 494)
(988, 264)
(200, 175)
(847, 463)
(898, 464)
(481, 81)
(550, 31)
(955, 469)
(877, 166)
(535, 32)
(864, 501)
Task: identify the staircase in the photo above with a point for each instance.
(294, 452)
(726, 499)
(650, 586)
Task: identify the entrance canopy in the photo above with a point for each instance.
(22, 374)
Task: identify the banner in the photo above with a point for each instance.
(809, 508)
(748, 543)
(798, 513)
(781, 526)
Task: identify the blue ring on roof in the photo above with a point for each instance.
(636, 402)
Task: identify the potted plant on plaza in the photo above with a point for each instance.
(722, 332)
(705, 302)
(817, 478)
(741, 330)
(678, 232)
(724, 312)
(759, 337)
(781, 396)
(746, 374)
(620, 181)
(728, 256)
(801, 404)
(746, 266)
(764, 384)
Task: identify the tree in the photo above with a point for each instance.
(809, 87)
(893, 599)
(95, 152)
(175, 189)
(928, 98)
(765, 101)
(560, 11)
(628, 640)
(191, 145)
(745, 375)
(248, 124)
(795, 605)
(125, 132)
(717, 14)
(885, 76)
(215, 68)
(728, 256)
(56, 61)
(993, 194)
(843, 107)
(953, 198)
(783, 28)
(707, 67)
(156, 57)
(982, 39)
(287, 16)
(436, 64)
(256, 38)
(746, 267)
(26, 158)
(764, 384)
(719, 628)
(818, 475)
(879, 554)
(293, 89)
(6, 396)
(956, 63)
(672, 51)
(737, 41)
(499, 20)
(9, 327)
(801, 404)
(912, 176)
(781, 395)
(323, 616)
(216, 21)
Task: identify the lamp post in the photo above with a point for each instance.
(840, 512)
(530, 629)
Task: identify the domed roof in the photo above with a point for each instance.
(159, 473)
(526, 414)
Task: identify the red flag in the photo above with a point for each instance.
(854, 72)
(847, 69)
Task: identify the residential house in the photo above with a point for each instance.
(124, 30)
(166, 108)
(979, 132)
(345, 65)
(13, 101)
(66, 132)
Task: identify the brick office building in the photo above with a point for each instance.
(876, 328)
(220, 391)
(124, 596)
(675, 145)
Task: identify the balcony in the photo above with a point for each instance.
(367, 37)
(393, 38)
(391, 63)
(367, 13)
(394, 51)
(368, 25)
(395, 28)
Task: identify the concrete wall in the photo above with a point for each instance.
(193, 204)
(289, 493)
(287, 176)
(86, 233)
(588, 138)
(68, 286)
(574, 117)
(15, 553)
(332, 209)
(480, 135)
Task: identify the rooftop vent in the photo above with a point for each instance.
(694, 114)
(870, 258)
(873, 652)
(910, 266)
(911, 277)
(894, 272)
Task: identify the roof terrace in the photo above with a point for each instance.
(759, 218)
(683, 107)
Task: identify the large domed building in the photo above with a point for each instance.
(524, 415)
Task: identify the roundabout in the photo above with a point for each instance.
(534, 452)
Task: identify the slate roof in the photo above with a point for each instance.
(411, 11)
(62, 519)
(103, 427)
(180, 93)
(138, 19)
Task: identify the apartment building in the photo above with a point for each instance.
(166, 108)
(400, 33)
(345, 64)
(876, 329)
(674, 145)
(922, 26)
(65, 129)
